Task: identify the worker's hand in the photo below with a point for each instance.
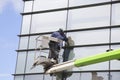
(67, 43)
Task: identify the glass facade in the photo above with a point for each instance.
(93, 25)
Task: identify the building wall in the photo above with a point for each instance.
(94, 25)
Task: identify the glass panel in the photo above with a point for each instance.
(89, 51)
(21, 61)
(30, 60)
(99, 75)
(115, 35)
(18, 77)
(85, 2)
(28, 6)
(23, 42)
(115, 63)
(48, 77)
(26, 24)
(34, 77)
(115, 75)
(32, 42)
(94, 76)
(90, 37)
(38, 77)
(48, 4)
(48, 22)
(89, 17)
(116, 14)
(115, 46)
(89, 76)
(80, 76)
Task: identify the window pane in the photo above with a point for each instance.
(115, 63)
(39, 77)
(115, 47)
(32, 42)
(115, 75)
(115, 35)
(116, 14)
(30, 60)
(48, 22)
(26, 24)
(23, 42)
(89, 76)
(18, 77)
(21, 61)
(48, 4)
(90, 37)
(34, 77)
(80, 76)
(89, 17)
(85, 2)
(89, 51)
(28, 6)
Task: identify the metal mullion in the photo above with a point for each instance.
(28, 40)
(73, 30)
(70, 8)
(70, 72)
(27, 0)
(76, 46)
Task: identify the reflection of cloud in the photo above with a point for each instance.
(17, 4)
(2, 4)
(5, 75)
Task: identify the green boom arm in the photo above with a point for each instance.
(115, 54)
(106, 56)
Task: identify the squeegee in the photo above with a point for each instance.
(102, 57)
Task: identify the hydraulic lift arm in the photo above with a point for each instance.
(102, 57)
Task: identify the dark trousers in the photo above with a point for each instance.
(66, 54)
(54, 49)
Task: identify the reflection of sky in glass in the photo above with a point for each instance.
(89, 17)
(48, 22)
(85, 2)
(90, 37)
(48, 4)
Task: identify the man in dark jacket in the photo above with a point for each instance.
(56, 46)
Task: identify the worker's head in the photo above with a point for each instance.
(61, 31)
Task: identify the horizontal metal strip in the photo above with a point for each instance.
(73, 30)
(70, 8)
(22, 50)
(76, 46)
(28, 0)
(70, 72)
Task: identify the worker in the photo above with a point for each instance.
(54, 47)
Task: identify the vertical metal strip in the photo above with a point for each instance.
(67, 15)
(109, 68)
(28, 38)
(66, 28)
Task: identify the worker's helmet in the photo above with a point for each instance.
(60, 30)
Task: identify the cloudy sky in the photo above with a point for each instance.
(10, 24)
(16, 4)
